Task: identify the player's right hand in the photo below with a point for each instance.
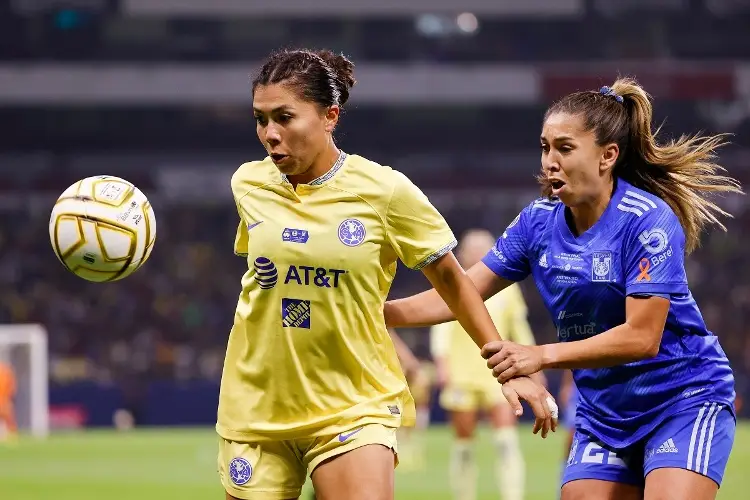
(542, 403)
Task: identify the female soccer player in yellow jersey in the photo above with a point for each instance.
(311, 379)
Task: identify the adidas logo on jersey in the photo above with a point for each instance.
(668, 446)
(543, 260)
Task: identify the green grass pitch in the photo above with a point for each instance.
(181, 463)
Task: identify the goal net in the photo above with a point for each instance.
(24, 349)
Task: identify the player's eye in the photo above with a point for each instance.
(544, 147)
(260, 120)
(565, 148)
(285, 118)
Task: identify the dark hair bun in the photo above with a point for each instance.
(344, 70)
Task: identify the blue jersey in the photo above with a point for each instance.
(637, 247)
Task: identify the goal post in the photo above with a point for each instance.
(24, 348)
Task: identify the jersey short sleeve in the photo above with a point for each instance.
(509, 257)
(415, 229)
(654, 256)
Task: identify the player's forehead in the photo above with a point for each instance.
(563, 126)
(276, 97)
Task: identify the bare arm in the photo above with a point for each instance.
(431, 307)
(454, 291)
(636, 339)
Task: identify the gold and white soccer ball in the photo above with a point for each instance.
(102, 228)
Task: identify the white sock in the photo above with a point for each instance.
(463, 470)
(510, 469)
(423, 417)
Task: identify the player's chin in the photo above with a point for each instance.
(287, 166)
(568, 197)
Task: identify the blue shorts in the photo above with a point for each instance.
(698, 439)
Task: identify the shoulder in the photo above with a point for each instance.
(539, 213)
(638, 209)
(648, 221)
(637, 203)
(381, 186)
(370, 174)
(252, 175)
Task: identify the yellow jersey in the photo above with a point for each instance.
(309, 353)
(464, 362)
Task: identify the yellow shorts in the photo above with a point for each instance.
(276, 470)
(467, 398)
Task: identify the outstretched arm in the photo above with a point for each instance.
(431, 307)
(636, 339)
(455, 295)
(454, 290)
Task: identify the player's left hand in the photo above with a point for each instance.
(508, 359)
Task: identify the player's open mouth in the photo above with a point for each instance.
(278, 158)
(557, 185)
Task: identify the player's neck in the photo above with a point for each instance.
(320, 166)
(586, 215)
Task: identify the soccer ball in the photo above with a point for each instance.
(102, 228)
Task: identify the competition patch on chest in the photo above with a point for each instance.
(295, 313)
(292, 235)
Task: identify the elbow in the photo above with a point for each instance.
(648, 346)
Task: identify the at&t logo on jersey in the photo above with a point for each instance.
(351, 232)
(265, 273)
(316, 276)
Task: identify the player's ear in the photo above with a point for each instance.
(332, 117)
(610, 153)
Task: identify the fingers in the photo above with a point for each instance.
(497, 358)
(501, 367)
(490, 348)
(515, 402)
(554, 412)
(541, 414)
(508, 374)
(546, 413)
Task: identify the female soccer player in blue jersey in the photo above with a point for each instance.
(605, 246)
(311, 380)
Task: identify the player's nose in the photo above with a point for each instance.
(550, 165)
(273, 135)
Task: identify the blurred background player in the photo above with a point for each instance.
(467, 390)
(419, 376)
(7, 393)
